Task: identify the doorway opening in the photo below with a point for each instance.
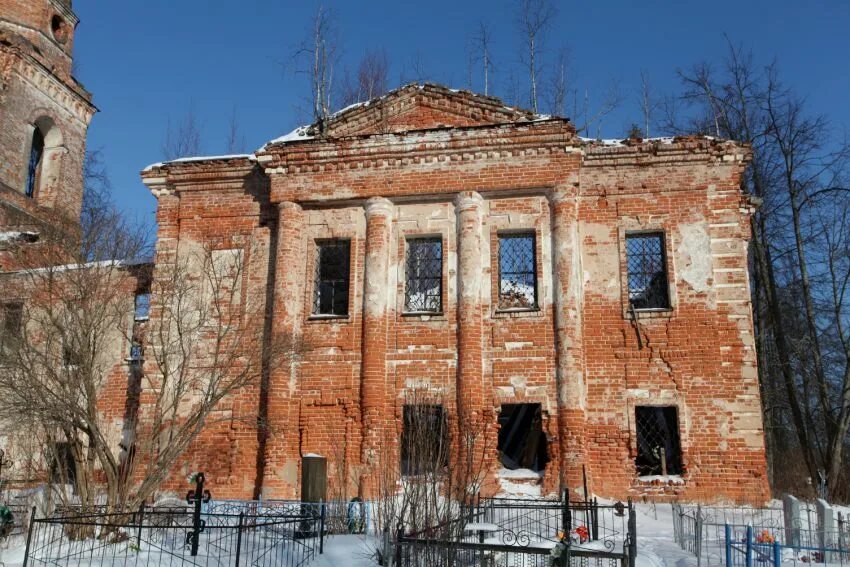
(522, 443)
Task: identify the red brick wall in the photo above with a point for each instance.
(577, 355)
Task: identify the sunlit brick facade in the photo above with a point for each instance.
(569, 327)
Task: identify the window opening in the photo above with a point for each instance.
(647, 271)
(522, 443)
(424, 274)
(424, 439)
(659, 450)
(330, 295)
(517, 274)
(34, 167)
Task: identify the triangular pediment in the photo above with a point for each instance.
(421, 107)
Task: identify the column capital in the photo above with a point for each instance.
(378, 206)
(468, 199)
(562, 193)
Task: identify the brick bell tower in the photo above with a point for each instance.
(44, 117)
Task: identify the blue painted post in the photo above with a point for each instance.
(777, 554)
(728, 545)
(749, 546)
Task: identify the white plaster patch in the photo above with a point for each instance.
(694, 256)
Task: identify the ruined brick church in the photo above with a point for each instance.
(588, 299)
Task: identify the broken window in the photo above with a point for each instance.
(658, 449)
(424, 274)
(330, 293)
(142, 307)
(522, 443)
(647, 271)
(424, 439)
(70, 358)
(517, 273)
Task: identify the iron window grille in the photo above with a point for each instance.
(424, 274)
(647, 271)
(330, 292)
(424, 439)
(659, 450)
(517, 271)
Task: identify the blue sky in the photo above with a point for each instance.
(148, 61)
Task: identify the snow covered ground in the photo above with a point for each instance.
(655, 545)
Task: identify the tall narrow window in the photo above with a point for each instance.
(647, 269)
(517, 273)
(142, 307)
(330, 292)
(13, 314)
(424, 274)
(424, 439)
(34, 168)
(659, 451)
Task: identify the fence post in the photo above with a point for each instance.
(141, 523)
(632, 534)
(698, 537)
(727, 529)
(322, 528)
(239, 538)
(594, 516)
(791, 513)
(777, 554)
(749, 546)
(29, 537)
(826, 526)
(398, 539)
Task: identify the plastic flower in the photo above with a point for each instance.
(583, 533)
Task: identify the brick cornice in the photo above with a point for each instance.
(394, 150)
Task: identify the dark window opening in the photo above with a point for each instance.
(34, 167)
(59, 29)
(13, 315)
(647, 271)
(330, 295)
(659, 451)
(522, 443)
(70, 357)
(142, 307)
(424, 439)
(517, 273)
(424, 274)
(63, 468)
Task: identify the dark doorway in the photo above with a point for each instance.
(522, 444)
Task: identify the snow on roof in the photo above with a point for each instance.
(251, 157)
(99, 264)
(299, 133)
(12, 235)
(624, 142)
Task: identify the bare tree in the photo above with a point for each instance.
(370, 81)
(482, 54)
(424, 481)
(183, 138)
(648, 103)
(317, 57)
(800, 267)
(534, 19)
(560, 89)
(235, 139)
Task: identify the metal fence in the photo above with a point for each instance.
(174, 537)
(746, 546)
(524, 532)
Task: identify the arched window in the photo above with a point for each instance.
(44, 162)
(36, 158)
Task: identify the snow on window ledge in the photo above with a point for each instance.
(658, 479)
